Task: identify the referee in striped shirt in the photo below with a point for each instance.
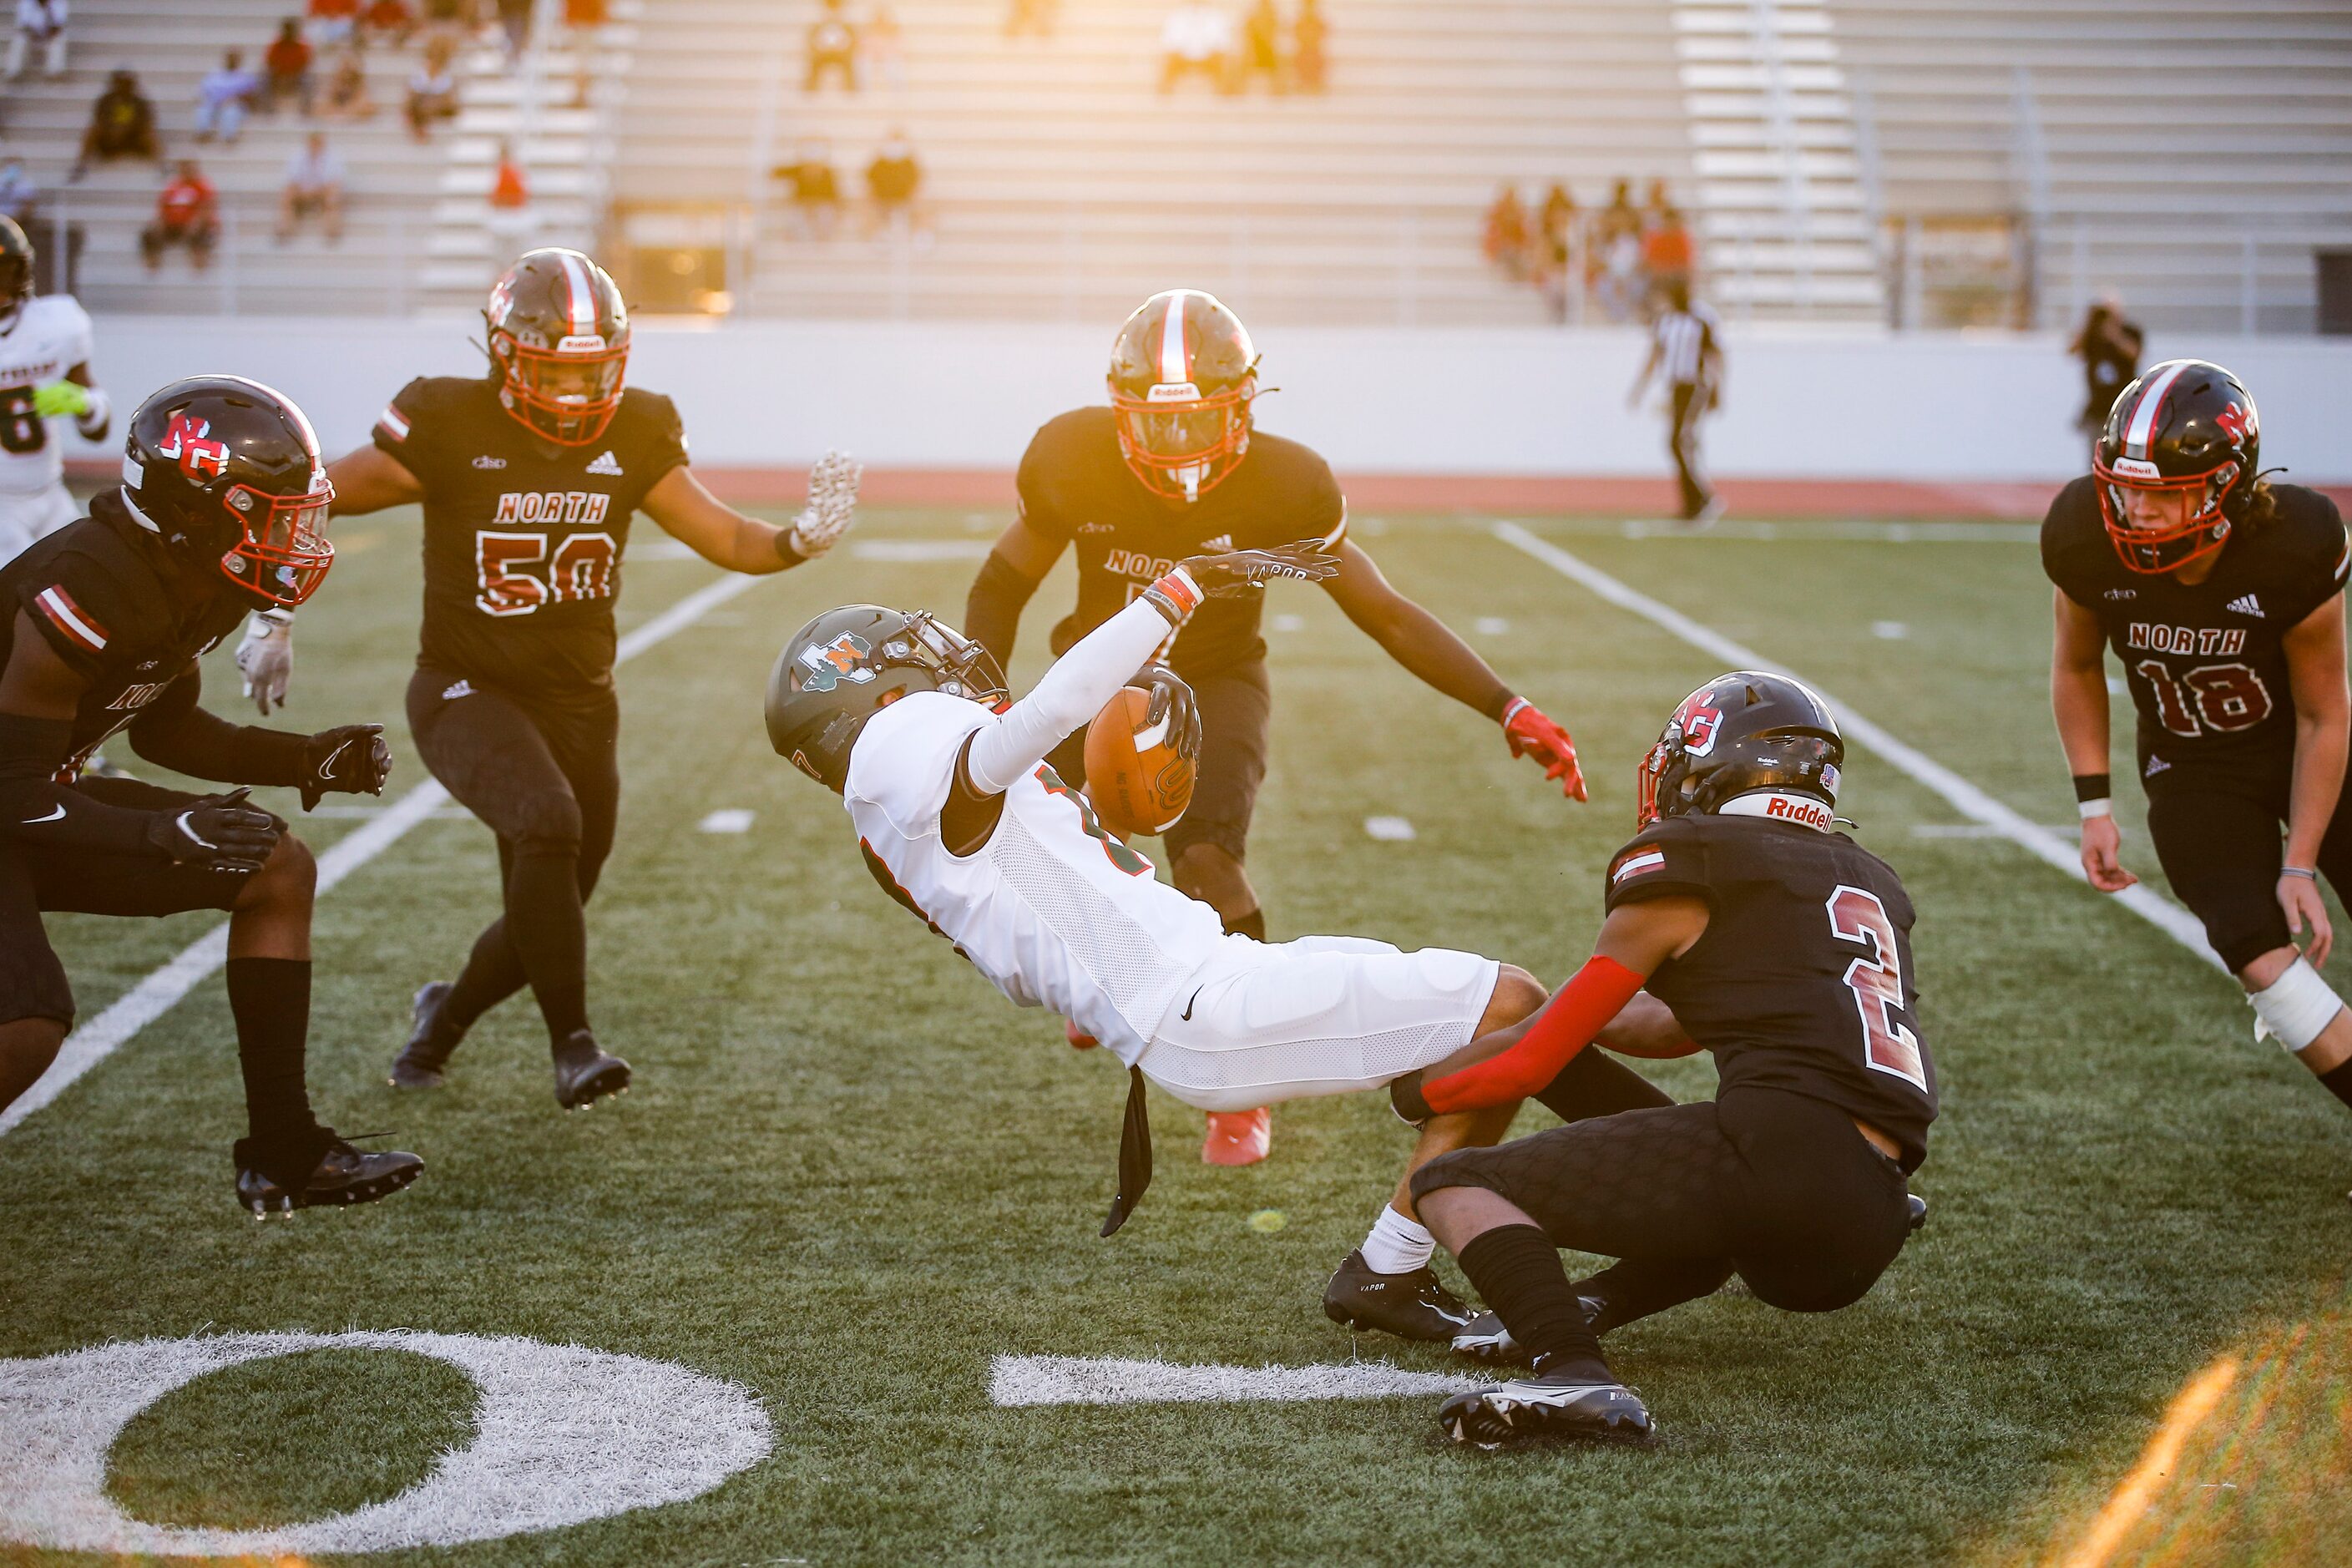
(1686, 344)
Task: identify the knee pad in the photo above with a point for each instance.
(2295, 1007)
(548, 825)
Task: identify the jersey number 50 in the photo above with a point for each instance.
(582, 569)
(1887, 1045)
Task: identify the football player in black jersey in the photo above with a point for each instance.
(222, 508)
(529, 478)
(1174, 467)
(1764, 937)
(2222, 596)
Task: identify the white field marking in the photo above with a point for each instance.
(1889, 631)
(2052, 849)
(2130, 1504)
(1975, 830)
(1017, 1380)
(562, 1435)
(154, 996)
(1491, 626)
(1389, 830)
(728, 819)
(1794, 532)
(919, 549)
(357, 811)
(662, 549)
(1286, 623)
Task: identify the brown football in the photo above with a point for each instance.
(1138, 783)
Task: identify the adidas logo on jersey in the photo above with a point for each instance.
(2245, 605)
(2155, 767)
(1217, 546)
(606, 463)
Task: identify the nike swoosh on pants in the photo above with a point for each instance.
(56, 813)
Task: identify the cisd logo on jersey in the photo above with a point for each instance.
(830, 663)
(186, 440)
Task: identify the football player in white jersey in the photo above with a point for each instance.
(45, 348)
(961, 821)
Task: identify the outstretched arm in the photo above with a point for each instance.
(725, 537)
(369, 480)
(2078, 700)
(1022, 556)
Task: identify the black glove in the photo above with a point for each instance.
(1172, 700)
(220, 833)
(1240, 571)
(352, 759)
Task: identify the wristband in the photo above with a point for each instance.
(2087, 809)
(2306, 872)
(91, 420)
(1175, 596)
(1511, 710)
(2093, 787)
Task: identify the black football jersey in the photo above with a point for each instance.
(121, 611)
(1802, 980)
(523, 538)
(1076, 486)
(2208, 674)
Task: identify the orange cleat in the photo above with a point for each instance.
(1078, 1041)
(1238, 1137)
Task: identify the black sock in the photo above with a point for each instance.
(1636, 1288)
(492, 973)
(2337, 1081)
(550, 934)
(270, 998)
(1250, 925)
(1595, 1083)
(1517, 1268)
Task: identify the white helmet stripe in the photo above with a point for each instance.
(1172, 367)
(2142, 429)
(584, 293)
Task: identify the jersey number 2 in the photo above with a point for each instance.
(1887, 1045)
(582, 569)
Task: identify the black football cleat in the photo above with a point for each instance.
(1555, 1404)
(343, 1176)
(422, 1061)
(585, 1072)
(1918, 1214)
(1415, 1306)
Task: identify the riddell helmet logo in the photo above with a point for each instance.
(186, 439)
(1790, 808)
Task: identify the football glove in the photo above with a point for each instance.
(264, 657)
(832, 505)
(59, 398)
(219, 833)
(1240, 571)
(350, 759)
(1531, 734)
(1172, 700)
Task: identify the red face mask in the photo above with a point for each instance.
(284, 554)
(2157, 550)
(568, 396)
(1184, 448)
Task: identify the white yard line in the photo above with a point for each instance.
(154, 996)
(1963, 798)
(1018, 1380)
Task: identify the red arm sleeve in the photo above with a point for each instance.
(1598, 993)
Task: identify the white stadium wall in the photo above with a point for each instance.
(1434, 402)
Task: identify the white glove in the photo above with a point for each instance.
(832, 505)
(264, 657)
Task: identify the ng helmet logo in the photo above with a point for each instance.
(186, 439)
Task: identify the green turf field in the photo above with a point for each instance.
(851, 1175)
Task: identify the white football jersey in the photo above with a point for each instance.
(1053, 909)
(50, 335)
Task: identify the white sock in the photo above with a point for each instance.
(1396, 1245)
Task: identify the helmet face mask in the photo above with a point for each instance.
(283, 554)
(558, 342)
(2185, 427)
(847, 665)
(1183, 373)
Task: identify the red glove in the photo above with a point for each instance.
(1533, 735)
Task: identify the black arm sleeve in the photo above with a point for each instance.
(36, 809)
(174, 733)
(991, 615)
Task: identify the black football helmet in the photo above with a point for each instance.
(849, 664)
(227, 470)
(1740, 732)
(559, 343)
(2184, 426)
(15, 269)
(1182, 372)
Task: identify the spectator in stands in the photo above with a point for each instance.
(511, 213)
(1031, 17)
(1655, 206)
(1309, 62)
(893, 180)
(1686, 344)
(1555, 247)
(41, 22)
(1668, 256)
(433, 89)
(331, 24)
(314, 188)
(832, 46)
(345, 95)
(18, 193)
(388, 21)
(1262, 45)
(816, 192)
(1505, 239)
(287, 65)
(223, 98)
(186, 213)
(1197, 39)
(582, 21)
(121, 125)
(1613, 266)
(2109, 347)
(514, 27)
(883, 47)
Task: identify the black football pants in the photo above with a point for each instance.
(1689, 400)
(2217, 828)
(547, 781)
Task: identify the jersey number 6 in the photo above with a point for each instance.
(582, 569)
(1876, 981)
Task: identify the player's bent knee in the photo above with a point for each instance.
(549, 826)
(2297, 1006)
(1516, 995)
(291, 875)
(1817, 1288)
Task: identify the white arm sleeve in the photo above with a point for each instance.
(1071, 693)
